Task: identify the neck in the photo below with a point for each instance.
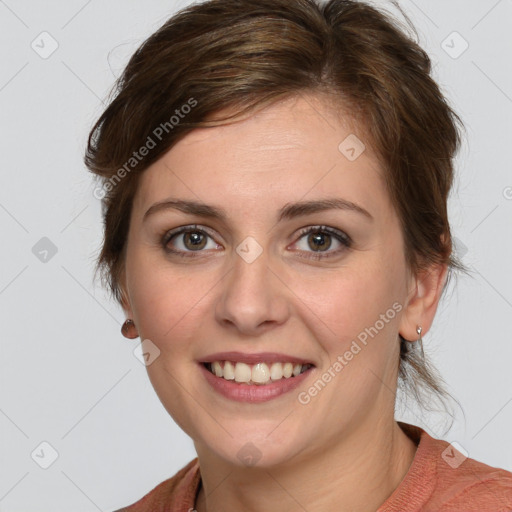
(356, 474)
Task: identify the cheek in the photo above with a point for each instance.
(359, 303)
(168, 308)
(347, 299)
(167, 300)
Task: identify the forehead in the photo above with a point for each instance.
(298, 147)
(306, 122)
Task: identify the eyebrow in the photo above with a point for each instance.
(287, 212)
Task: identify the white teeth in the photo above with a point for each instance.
(242, 372)
(259, 373)
(217, 369)
(276, 371)
(229, 371)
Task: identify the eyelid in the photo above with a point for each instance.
(321, 228)
(168, 234)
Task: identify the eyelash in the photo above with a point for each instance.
(341, 237)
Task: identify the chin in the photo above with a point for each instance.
(256, 451)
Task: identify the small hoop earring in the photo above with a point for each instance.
(419, 342)
(128, 329)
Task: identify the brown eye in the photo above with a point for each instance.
(187, 240)
(316, 241)
(194, 240)
(319, 241)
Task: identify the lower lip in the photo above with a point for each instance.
(253, 393)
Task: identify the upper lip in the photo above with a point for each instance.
(260, 357)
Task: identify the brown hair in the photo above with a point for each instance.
(240, 55)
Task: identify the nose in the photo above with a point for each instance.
(254, 299)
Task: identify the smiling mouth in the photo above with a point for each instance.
(258, 374)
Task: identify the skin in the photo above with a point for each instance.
(284, 301)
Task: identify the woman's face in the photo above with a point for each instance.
(253, 281)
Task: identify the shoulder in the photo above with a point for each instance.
(442, 478)
(464, 483)
(179, 491)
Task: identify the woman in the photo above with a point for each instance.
(275, 176)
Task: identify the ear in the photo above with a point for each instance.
(424, 294)
(124, 295)
(129, 328)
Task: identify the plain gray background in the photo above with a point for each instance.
(68, 377)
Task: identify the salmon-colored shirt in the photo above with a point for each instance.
(440, 479)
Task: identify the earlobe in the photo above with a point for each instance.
(422, 301)
(128, 329)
